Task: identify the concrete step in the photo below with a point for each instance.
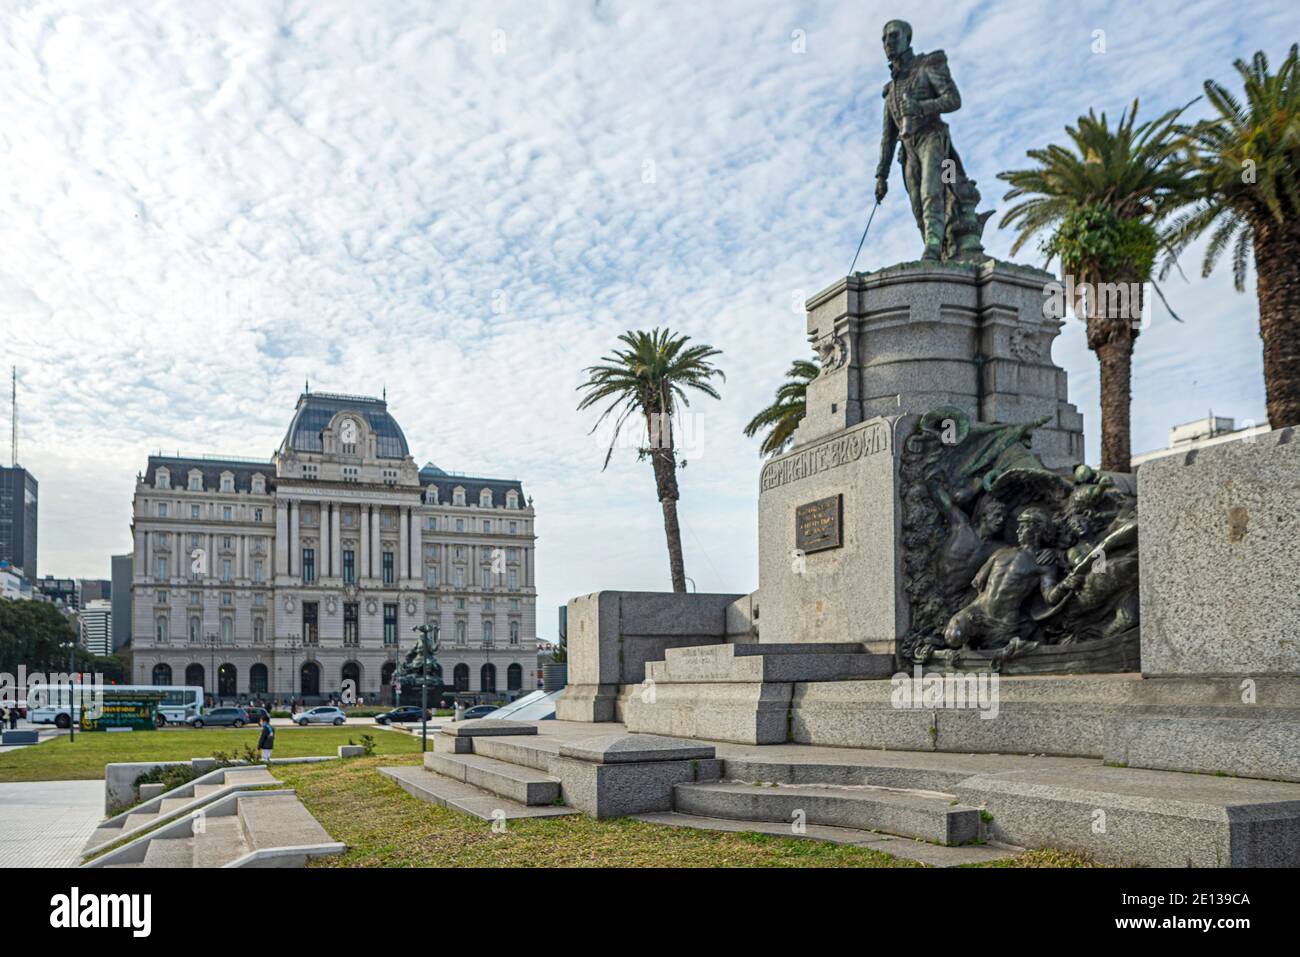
(466, 798)
(535, 752)
(170, 852)
(279, 821)
(925, 815)
(932, 855)
(135, 820)
(526, 785)
(878, 775)
(755, 663)
(203, 790)
(218, 841)
(167, 805)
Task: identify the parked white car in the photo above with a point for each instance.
(326, 714)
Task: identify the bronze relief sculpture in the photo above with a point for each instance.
(1010, 565)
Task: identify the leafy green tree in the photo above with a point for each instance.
(648, 380)
(1102, 200)
(1245, 164)
(783, 416)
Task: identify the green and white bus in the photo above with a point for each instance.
(59, 705)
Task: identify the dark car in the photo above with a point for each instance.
(220, 717)
(399, 715)
(478, 711)
(255, 715)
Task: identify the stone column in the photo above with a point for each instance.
(336, 541)
(403, 545)
(376, 558)
(364, 571)
(417, 556)
(141, 558)
(295, 512)
(281, 538)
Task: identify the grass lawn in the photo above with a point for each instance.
(384, 826)
(62, 760)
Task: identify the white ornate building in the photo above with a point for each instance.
(293, 576)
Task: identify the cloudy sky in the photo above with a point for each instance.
(206, 204)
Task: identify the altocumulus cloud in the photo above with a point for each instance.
(206, 204)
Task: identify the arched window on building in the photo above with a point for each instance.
(257, 679)
(460, 675)
(514, 677)
(194, 676)
(226, 680)
(487, 676)
(162, 674)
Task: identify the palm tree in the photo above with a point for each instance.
(1103, 202)
(649, 378)
(1244, 163)
(783, 416)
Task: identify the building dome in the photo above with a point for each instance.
(316, 409)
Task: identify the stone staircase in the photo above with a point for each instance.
(922, 815)
(242, 829)
(499, 770)
(175, 803)
(495, 770)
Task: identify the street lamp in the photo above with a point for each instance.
(428, 649)
(293, 670)
(212, 662)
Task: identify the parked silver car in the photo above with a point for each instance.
(325, 714)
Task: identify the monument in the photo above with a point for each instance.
(935, 520)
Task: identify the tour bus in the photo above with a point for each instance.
(51, 704)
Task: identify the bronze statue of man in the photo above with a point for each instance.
(943, 199)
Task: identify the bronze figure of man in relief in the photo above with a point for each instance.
(943, 198)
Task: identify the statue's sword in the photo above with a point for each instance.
(864, 236)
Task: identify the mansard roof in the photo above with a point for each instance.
(316, 409)
(447, 483)
(179, 468)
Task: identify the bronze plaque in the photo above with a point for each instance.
(819, 525)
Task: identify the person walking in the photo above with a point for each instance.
(266, 740)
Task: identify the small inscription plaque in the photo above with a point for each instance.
(818, 525)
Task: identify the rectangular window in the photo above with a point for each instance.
(310, 624)
(388, 568)
(160, 567)
(227, 513)
(514, 579)
(514, 528)
(259, 631)
(487, 526)
(194, 511)
(309, 564)
(196, 598)
(227, 598)
(460, 577)
(460, 525)
(485, 576)
(162, 509)
(225, 569)
(349, 566)
(390, 624)
(161, 597)
(351, 634)
(257, 514)
(257, 569)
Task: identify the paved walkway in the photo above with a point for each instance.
(46, 823)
